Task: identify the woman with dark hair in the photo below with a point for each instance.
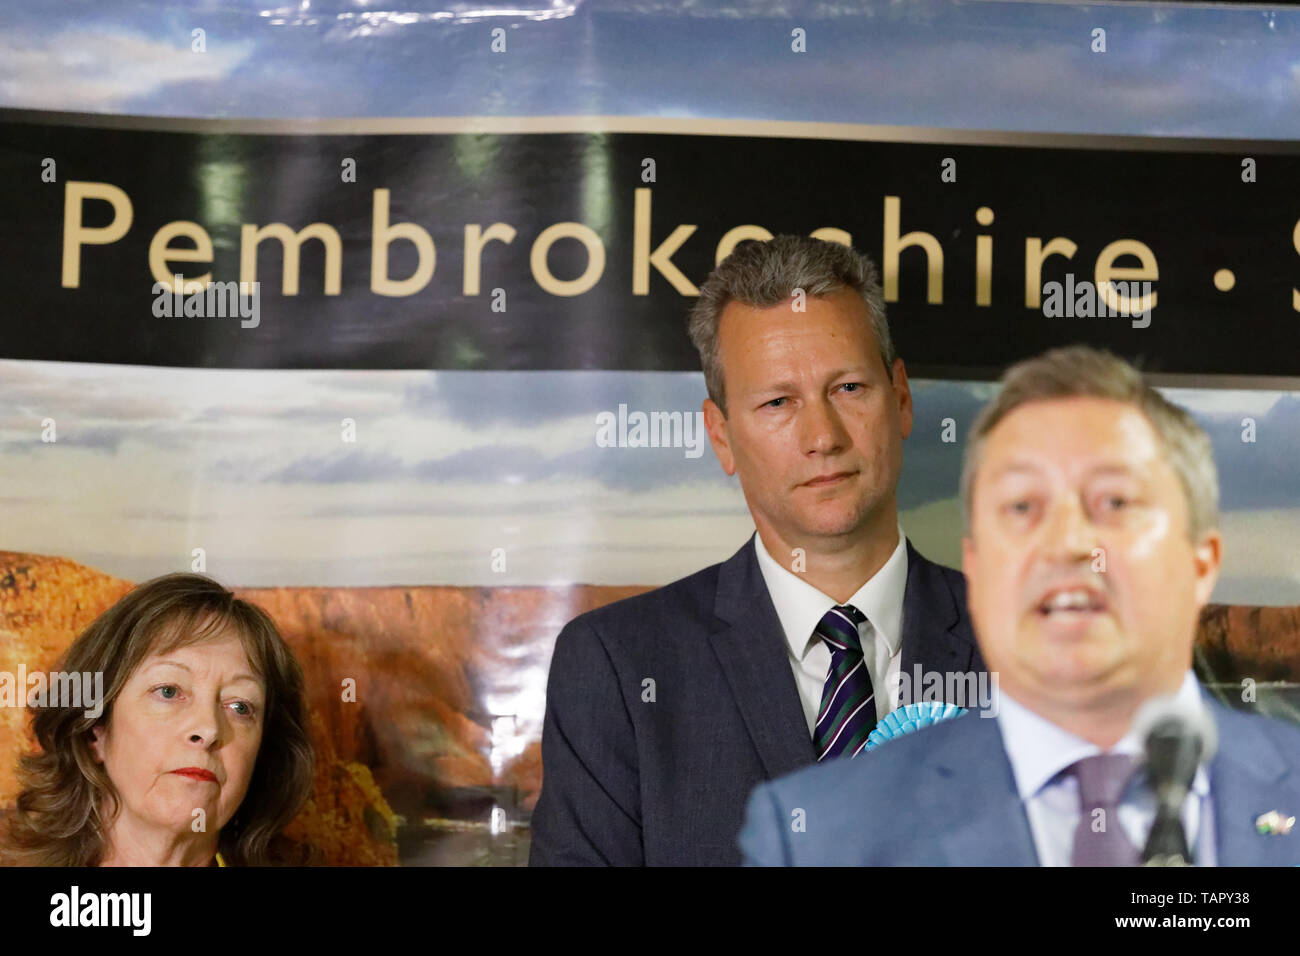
(200, 755)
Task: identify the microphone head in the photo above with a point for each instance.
(1178, 737)
(1166, 718)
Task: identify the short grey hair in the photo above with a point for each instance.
(1079, 371)
(764, 273)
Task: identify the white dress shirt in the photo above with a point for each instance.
(1040, 751)
(800, 607)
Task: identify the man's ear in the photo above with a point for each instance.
(716, 425)
(903, 393)
(1207, 555)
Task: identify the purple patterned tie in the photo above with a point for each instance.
(1099, 840)
(847, 714)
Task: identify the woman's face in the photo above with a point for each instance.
(183, 737)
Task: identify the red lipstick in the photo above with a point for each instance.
(195, 773)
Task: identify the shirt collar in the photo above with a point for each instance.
(800, 606)
(1038, 749)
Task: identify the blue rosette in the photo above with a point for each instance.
(904, 720)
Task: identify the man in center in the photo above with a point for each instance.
(664, 710)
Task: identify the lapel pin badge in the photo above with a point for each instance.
(1273, 824)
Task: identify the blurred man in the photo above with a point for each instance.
(665, 710)
(1091, 546)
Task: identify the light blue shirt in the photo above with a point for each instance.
(1039, 751)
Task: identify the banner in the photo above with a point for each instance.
(433, 245)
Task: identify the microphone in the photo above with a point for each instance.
(1178, 737)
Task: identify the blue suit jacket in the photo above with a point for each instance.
(950, 798)
(632, 781)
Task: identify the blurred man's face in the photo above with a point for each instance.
(1082, 585)
(814, 426)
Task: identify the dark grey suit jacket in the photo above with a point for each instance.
(950, 796)
(630, 780)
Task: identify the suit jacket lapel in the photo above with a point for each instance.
(1249, 777)
(977, 816)
(751, 649)
(932, 633)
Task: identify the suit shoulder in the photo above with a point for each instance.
(956, 580)
(682, 600)
(1284, 733)
(952, 576)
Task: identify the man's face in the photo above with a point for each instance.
(1082, 585)
(814, 426)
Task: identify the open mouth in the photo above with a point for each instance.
(1072, 603)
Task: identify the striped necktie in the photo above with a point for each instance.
(847, 714)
